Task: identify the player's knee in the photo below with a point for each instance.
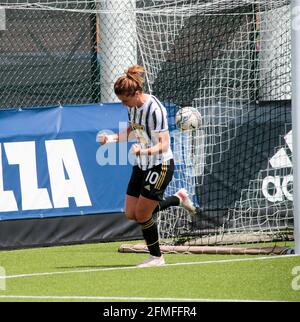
(130, 215)
(143, 216)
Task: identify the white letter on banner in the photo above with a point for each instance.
(23, 154)
(62, 158)
(7, 198)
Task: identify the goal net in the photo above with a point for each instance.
(232, 63)
(229, 59)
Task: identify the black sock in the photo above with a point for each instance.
(168, 202)
(150, 233)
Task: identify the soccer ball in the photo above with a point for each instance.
(188, 118)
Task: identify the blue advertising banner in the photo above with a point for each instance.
(51, 164)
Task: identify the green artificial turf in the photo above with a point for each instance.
(98, 272)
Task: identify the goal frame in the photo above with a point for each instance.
(295, 51)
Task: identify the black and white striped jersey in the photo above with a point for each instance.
(146, 122)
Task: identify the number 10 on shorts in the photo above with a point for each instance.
(152, 177)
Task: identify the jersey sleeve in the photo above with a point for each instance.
(159, 118)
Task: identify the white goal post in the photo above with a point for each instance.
(295, 22)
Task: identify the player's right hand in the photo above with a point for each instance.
(102, 138)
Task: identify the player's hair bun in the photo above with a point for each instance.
(136, 73)
(131, 82)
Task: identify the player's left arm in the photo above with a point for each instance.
(161, 147)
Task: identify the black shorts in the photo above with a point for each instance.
(151, 183)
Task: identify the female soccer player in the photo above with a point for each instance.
(154, 159)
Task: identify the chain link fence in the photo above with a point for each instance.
(52, 57)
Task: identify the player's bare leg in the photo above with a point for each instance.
(130, 205)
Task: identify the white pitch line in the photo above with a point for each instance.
(123, 298)
(135, 267)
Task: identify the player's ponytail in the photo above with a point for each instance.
(131, 82)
